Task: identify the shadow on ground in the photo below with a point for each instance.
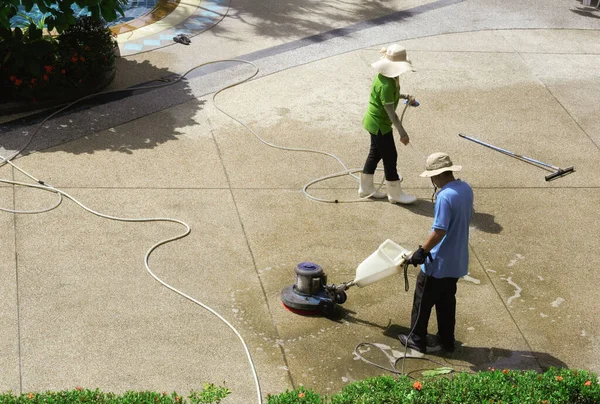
(587, 13)
(288, 19)
(481, 221)
(465, 358)
(107, 111)
(482, 358)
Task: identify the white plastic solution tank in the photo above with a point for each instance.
(385, 261)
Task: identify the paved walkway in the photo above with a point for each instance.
(77, 306)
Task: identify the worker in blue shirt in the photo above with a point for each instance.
(443, 257)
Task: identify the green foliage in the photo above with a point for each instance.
(209, 395)
(25, 51)
(556, 386)
(58, 13)
(300, 396)
(36, 67)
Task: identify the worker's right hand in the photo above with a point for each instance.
(404, 139)
(419, 257)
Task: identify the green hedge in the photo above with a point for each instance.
(556, 386)
(36, 68)
(210, 394)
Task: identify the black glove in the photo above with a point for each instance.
(419, 257)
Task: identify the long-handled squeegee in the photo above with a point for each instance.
(556, 171)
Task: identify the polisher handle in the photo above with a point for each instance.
(560, 173)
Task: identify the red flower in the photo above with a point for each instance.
(63, 71)
(45, 77)
(48, 68)
(86, 47)
(18, 82)
(82, 58)
(588, 383)
(13, 78)
(505, 371)
(33, 81)
(301, 395)
(417, 385)
(559, 378)
(74, 59)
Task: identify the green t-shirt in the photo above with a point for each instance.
(384, 90)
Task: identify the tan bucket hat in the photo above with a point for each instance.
(393, 62)
(437, 163)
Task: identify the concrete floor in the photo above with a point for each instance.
(79, 308)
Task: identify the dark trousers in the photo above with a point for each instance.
(382, 147)
(441, 293)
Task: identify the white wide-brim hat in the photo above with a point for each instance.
(393, 62)
(437, 163)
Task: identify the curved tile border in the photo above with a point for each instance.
(162, 9)
(189, 18)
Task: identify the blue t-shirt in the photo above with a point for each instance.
(453, 211)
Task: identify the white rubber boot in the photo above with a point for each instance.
(396, 195)
(367, 187)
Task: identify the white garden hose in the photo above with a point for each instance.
(346, 170)
(41, 185)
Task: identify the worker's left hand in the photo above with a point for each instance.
(419, 257)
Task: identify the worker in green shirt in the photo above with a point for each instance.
(378, 121)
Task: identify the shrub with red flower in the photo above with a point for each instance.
(71, 65)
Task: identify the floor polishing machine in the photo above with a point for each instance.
(312, 295)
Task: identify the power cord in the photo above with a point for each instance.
(394, 364)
